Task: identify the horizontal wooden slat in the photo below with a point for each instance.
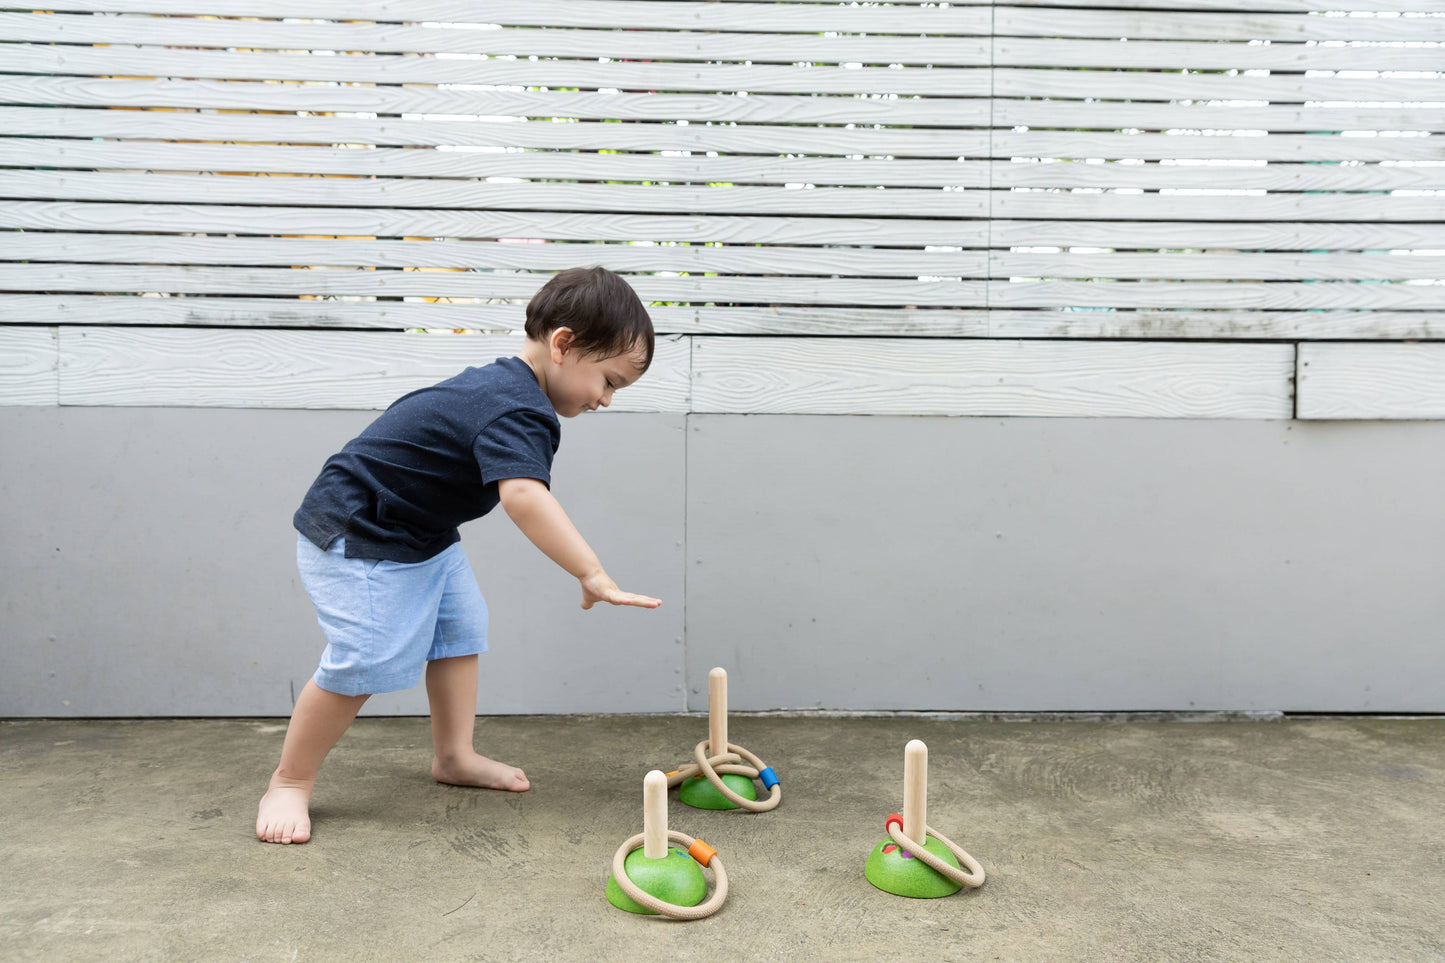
(656, 168)
(694, 108)
(522, 42)
(80, 278)
(1297, 88)
(1022, 21)
(1268, 295)
(29, 366)
(1166, 55)
(157, 249)
(586, 135)
(1175, 207)
(1116, 84)
(471, 195)
(1273, 147)
(1223, 234)
(474, 284)
(830, 321)
(1239, 6)
(303, 369)
(1225, 6)
(397, 315)
(1073, 115)
(219, 219)
(922, 377)
(772, 260)
(1372, 381)
(1224, 325)
(1201, 266)
(628, 14)
(412, 69)
(546, 165)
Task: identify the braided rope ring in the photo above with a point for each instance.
(972, 879)
(645, 899)
(775, 793)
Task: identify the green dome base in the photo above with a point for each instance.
(901, 875)
(675, 879)
(699, 792)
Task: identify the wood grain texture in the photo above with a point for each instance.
(1372, 381)
(926, 377)
(29, 366)
(302, 369)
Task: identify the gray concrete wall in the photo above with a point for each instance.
(833, 562)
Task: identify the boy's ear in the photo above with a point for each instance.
(560, 342)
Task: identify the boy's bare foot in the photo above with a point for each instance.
(475, 770)
(285, 815)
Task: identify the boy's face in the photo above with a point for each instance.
(581, 382)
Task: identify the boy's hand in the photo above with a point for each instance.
(599, 587)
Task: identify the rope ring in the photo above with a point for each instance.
(972, 879)
(705, 765)
(645, 899)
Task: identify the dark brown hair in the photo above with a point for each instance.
(604, 313)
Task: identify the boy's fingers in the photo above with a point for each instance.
(639, 600)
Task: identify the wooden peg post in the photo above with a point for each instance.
(717, 711)
(915, 790)
(654, 815)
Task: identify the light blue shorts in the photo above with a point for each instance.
(385, 620)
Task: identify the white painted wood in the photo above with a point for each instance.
(139, 156)
(900, 201)
(938, 377)
(1175, 324)
(540, 165)
(1277, 176)
(616, 44)
(1174, 207)
(29, 366)
(915, 790)
(372, 223)
(79, 309)
(1196, 116)
(1239, 6)
(1274, 147)
(1372, 381)
(1278, 295)
(1202, 266)
(1168, 55)
(131, 61)
(496, 255)
(473, 284)
(302, 369)
(654, 815)
(1021, 21)
(1120, 84)
(613, 14)
(662, 107)
(83, 278)
(463, 195)
(717, 710)
(585, 135)
(1229, 233)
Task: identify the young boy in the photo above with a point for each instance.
(378, 547)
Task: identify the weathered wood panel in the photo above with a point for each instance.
(302, 369)
(1372, 381)
(29, 366)
(924, 377)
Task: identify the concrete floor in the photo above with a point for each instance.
(1294, 839)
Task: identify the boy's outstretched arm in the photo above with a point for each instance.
(539, 515)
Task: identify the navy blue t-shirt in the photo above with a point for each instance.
(431, 461)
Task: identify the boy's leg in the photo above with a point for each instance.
(319, 719)
(451, 687)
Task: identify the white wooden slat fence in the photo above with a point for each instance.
(899, 207)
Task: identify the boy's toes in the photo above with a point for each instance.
(519, 781)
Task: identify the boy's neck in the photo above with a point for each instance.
(535, 354)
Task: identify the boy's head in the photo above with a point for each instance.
(601, 310)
